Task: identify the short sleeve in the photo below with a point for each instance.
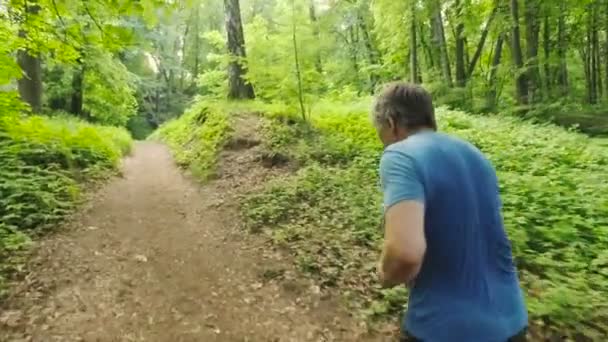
(400, 179)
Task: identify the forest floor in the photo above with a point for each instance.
(154, 256)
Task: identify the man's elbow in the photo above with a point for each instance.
(404, 267)
(411, 263)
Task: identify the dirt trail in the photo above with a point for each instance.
(156, 257)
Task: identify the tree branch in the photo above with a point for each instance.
(86, 8)
(482, 40)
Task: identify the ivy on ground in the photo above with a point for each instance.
(43, 163)
(553, 184)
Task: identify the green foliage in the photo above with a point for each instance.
(555, 210)
(196, 137)
(43, 162)
(110, 91)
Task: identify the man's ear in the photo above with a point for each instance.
(391, 124)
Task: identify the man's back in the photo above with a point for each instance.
(467, 288)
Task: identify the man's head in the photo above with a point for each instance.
(402, 109)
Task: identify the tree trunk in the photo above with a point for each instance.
(354, 42)
(184, 38)
(521, 81)
(547, 54)
(562, 75)
(372, 54)
(606, 50)
(414, 70)
(30, 84)
(532, 43)
(430, 61)
(595, 72)
(78, 90)
(460, 47)
(440, 45)
(315, 29)
(195, 68)
(297, 60)
(238, 87)
(482, 41)
(588, 60)
(597, 50)
(492, 95)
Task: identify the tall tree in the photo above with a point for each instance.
(492, 93)
(440, 43)
(312, 13)
(372, 53)
(297, 59)
(532, 42)
(482, 40)
(562, 71)
(30, 84)
(547, 55)
(415, 76)
(521, 79)
(460, 45)
(238, 87)
(77, 100)
(606, 47)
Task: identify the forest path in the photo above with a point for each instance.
(156, 257)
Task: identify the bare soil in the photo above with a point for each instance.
(155, 256)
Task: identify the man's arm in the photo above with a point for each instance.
(404, 243)
(404, 240)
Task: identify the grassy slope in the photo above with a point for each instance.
(43, 164)
(327, 214)
(196, 137)
(555, 207)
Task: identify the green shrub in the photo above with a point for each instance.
(196, 137)
(553, 184)
(42, 160)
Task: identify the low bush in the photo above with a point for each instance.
(43, 164)
(553, 184)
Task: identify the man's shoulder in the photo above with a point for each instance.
(421, 144)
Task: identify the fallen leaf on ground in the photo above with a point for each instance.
(141, 258)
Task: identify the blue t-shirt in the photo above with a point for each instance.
(468, 287)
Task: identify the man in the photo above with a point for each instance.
(444, 234)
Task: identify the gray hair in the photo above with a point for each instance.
(407, 105)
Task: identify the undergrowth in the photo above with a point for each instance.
(196, 137)
(44, 163)
(553, 184)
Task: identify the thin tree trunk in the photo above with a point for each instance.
(547, 54)
(532, 43)
(521, 81)
(460, 47)
(430, 61)
(195, 68)
(77, 101)
(30, 84)
(491, 97)
(597, 51)
(441, 46)
(562, 75)
(594, 55)
(183, 61)
(414, 71)
(238, 87)
(297, 61)
(588, 60)
(482, 41)
(315, 28)
(606, 49)
(353, 48)
(371, 52)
